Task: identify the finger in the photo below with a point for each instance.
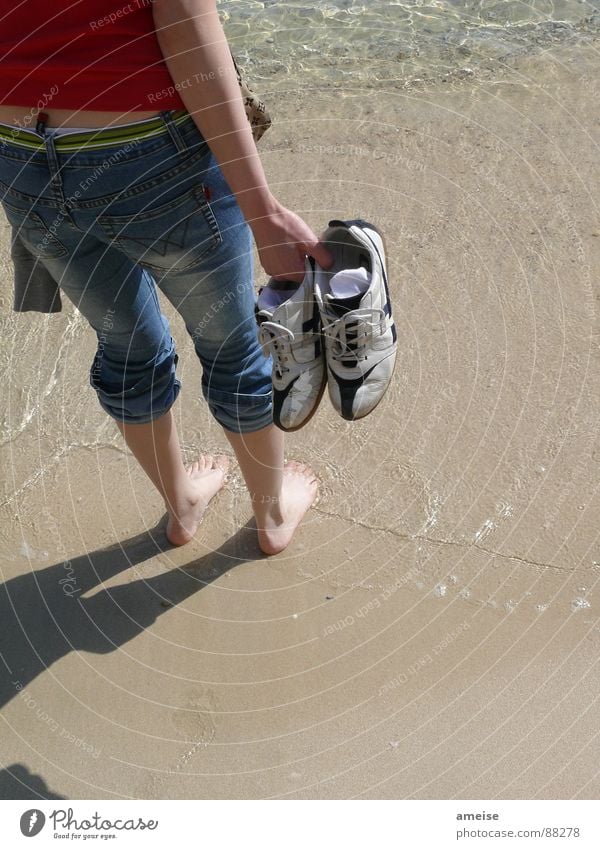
(291, 268)
(281, 264)
(320, 253)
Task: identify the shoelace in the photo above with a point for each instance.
(350, 333)
(276, 341)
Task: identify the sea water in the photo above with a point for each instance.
(336, 41)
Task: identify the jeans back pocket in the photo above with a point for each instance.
(172, 236)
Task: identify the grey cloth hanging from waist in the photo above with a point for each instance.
(34, 287)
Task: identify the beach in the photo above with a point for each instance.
(432, 632)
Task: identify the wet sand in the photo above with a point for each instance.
(433, 631)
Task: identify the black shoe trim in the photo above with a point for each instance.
(348, 389)
(351, 222)
(360, 222)
(279, 396)
(259, 318)
(312, 324)
(387, 309)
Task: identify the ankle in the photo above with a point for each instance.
(267, 507)
(180, 501)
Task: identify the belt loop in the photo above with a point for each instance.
(40, 125)
(53, 165)
(173, 129)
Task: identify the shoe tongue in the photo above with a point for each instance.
(347, 289)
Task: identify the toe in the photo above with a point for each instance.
(312, 483)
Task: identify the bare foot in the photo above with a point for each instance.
(299, 490)
(206, 477)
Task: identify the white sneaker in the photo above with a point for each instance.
(356, 318)
(289, 332)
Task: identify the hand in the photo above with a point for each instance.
(283, 239)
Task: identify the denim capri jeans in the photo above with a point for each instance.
(113, 223)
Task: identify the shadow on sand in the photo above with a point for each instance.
(44, 614)
(16, 782)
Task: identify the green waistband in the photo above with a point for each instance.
(93, 138)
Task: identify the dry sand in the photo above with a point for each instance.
(433, 630)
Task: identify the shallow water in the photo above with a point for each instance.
(338, 41)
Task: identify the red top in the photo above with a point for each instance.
(83, 54)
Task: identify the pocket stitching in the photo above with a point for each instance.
(111, 224)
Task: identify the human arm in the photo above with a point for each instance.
(197, 55)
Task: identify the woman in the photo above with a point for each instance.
(142, 170)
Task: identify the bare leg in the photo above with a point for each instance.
(281, 494)
(186, 492)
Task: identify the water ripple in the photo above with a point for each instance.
(367, 43)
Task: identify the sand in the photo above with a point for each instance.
(432, 632)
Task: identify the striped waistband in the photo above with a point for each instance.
(94, 138)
